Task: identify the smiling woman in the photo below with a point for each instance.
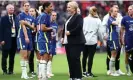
(73, 39)
(72, 7)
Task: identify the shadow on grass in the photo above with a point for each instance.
(63, 76)
(17, 76)
(106, 77)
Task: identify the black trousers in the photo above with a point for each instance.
(73, 52)
(31, 61)
(31, 56)
(88, 53)
(11, 53)
(130, 60)
(117, 61)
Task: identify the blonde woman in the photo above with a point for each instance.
(127, 40)
(73, 39)
(92, 30)
(105, 24)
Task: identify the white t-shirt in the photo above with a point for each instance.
(65, 36)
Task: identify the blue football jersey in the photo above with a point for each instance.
(127, 22)
(44, 36)
(113, 33)
(55, 28)
(29, 19)
(38, 27)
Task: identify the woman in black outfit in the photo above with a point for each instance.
(74, 40)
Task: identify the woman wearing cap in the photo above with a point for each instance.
(92, 30)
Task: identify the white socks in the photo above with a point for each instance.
(42, 70)
(37, 61)
(112, 64)
(49, 67)
(23, 64)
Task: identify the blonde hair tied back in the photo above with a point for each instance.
(93, 12)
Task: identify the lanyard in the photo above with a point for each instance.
(12, 21)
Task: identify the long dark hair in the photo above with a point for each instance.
(45, 5)
(37, 14)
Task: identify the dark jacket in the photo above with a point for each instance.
(5, 30)
(75, 27)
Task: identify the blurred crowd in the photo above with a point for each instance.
(60, 7)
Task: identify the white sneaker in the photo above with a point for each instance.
(42, 79)
(120, 72)
(108, 72)
(114, 74)
(39, 78)
(33, 74)
(128, 74)
(51, 74)
(24, 77)
(45, 78)
(70, 79)
(77, 79)
(48, 76)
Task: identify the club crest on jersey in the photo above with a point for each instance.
(54, 27)
(131, 21)
(23, 46)
(131, 27)
(28, 19)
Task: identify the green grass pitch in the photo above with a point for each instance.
(60, 69)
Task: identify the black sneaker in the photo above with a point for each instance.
(90, 75)
(77, 79)
(33, 74)
(10, 73)
(84, 74)
(71, 79)
(4, 73)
